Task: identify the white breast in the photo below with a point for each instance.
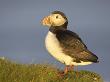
(54, 48)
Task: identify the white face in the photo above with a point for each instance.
(57, 20)
(53, 20)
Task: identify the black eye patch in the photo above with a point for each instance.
(56, 16)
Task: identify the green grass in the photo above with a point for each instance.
(12, 72)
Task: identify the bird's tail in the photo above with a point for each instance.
(89, 56)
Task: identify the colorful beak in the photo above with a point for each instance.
(46, 21)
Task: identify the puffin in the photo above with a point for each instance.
(64, 45)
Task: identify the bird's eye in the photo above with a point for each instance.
(56, 16)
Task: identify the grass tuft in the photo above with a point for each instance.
(12, 72)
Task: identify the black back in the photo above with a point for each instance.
(73, 46)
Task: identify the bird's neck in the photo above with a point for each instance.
(55, 29)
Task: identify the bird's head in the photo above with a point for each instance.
(55, 19)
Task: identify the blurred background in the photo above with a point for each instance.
(22, 36)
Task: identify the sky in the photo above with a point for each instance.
(22, 36)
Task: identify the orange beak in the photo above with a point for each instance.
(46, 21)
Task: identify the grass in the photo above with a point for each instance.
(12, 72)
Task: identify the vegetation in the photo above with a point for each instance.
(12, 72)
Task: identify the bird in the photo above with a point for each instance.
(64, 45)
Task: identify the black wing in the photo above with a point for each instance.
(74, 46)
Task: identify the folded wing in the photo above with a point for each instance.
(74, 46)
